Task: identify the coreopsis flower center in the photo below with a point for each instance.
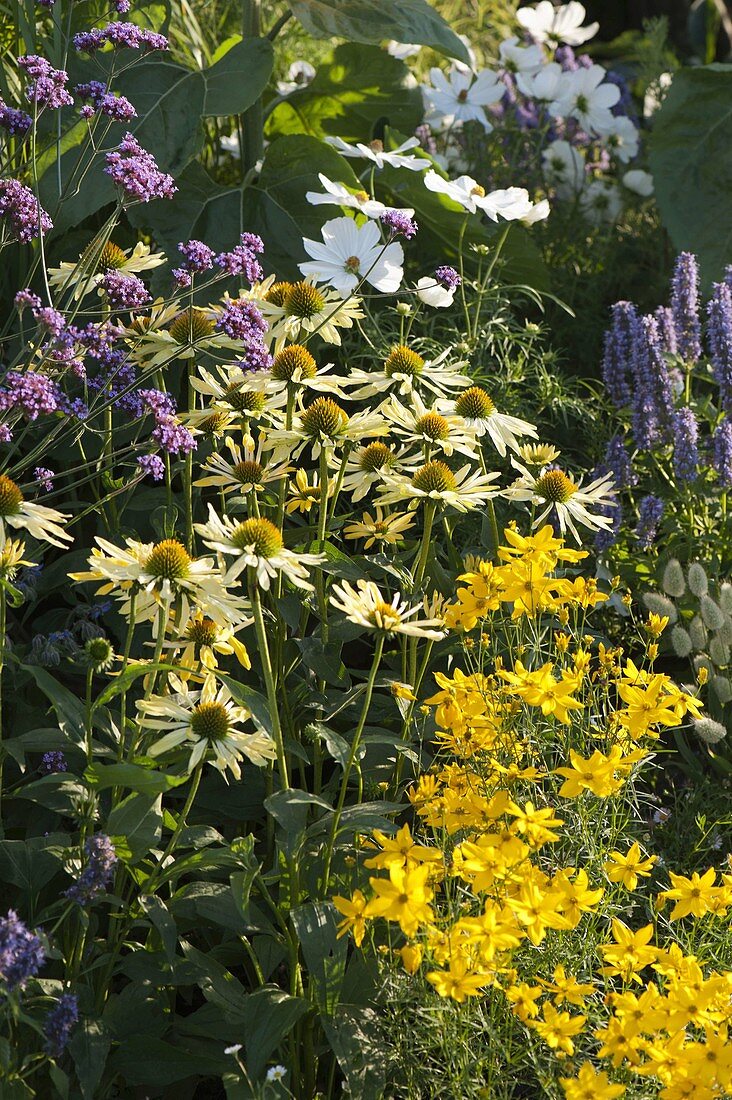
(555, 486)
(191, 325)
(259, 535)
(475, 404)
(112, 258)
(291, 361)
(462, 95)
(248, 473)
(324, 417)
(168, 561)
(11, 497)
(202, 632)
(277, 293)
(353, 264)
(362, 196)
(213, 424)
(385, 616)
(375, 457)
(478, 190)
(376, 146)
(303, 300)
(244, 401)
(433, 426)
(402, 360)
(210, 721)
(434, 477)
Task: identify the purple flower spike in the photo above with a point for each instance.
(685, 307)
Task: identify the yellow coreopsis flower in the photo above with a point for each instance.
(522, 999)
(630, 953)
(557, 1029)
(646, 706)
(589, 1084)
(627, 869)
(458, 982)
(565, 987)
(403, 897)
(596, 775)
(354, 912)
(692, 895)
(401, 851)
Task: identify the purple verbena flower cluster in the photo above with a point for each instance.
(242, 260)
(24, 216)
(21, 952)
(168, 433)
(399, 223)
(197, 258)
(124, 291)
(135, 171)
(33, 393)
(447, 277)
(97, 874)
(59, 1024)
(151, 466)
(241, 320)
(44, 477)
(47, 86)
(13, 120)
(120, 36)
(116, 107)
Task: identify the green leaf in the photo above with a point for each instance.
(146, 1061)
(325, 954)
(375, 20)
(169, 100)
(324, 661)
(242, 881)
(124, 681)
(89, 1049)
(137, 778)
(26, 864)
(355, 88)
(691, 162)
(135, 825)
(68, 709)
(290, 809)
(248, 697)
(354, 1034)
(162, 921)
(336, 562)
(238, 77)
(59, 792)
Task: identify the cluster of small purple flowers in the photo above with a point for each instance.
(14, 120)
(136, 173)
(399, 223)
(151, 466)
(242, 260)
(44, 477)
(31, 392)
(719, 314)
(722, 453)
(116, 107)
(447, 277)
(51, 762)
(21, 953)
(650, 514)
(59, 1024)
(120, 36)
(97, 874)
(197, 258)
(168, 433)
(124, 291)
(47, 86)
(685, 307)
(686, 445)
(240, 320)
(24, 217)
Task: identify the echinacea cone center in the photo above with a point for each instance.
(168, 561)
(259, 535)
(555, 486)
(11, 497)
(210, 721)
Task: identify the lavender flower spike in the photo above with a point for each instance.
(719, 312)
(617, 355)
(722, 453)
(21, 952)
(650, 514)
(686, 445)
(685, 306)
(95, 877)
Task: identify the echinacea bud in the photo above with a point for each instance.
(708, 730)
(722, 687)
(660, 605)
(673, 579)
(681, 641)
(99, 653)
(710, 613)
(698, 633)
(698, 582)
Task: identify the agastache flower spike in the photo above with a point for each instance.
(686, 445)
(685, 306)
(719, 312)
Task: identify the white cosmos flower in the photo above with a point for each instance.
(543, 85)
(461, 489)
(349, 253)
(601, 201)
(638, 181)
(583, 96)
(20, 514)
(433, 293)
(428, 428)
(545, 23)
(366, 606)
(404, 370)
(480, 415)
(513, 203)
(403, 50)
(539, 212)
(376, 153)
(299, 75)
(207, 719)
(520, 59)
(337, 194)
(256, 544)
(551, 488)
(461, 97)
(622, 139)
(564, 168)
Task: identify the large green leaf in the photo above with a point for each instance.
(375, 20)
(135, 825)
(238, 77)
(691, 161)
(170, 101)
(353, 89)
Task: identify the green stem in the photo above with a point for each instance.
(268, 678)
(429, 515)
(179, 827)
(355, 745)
